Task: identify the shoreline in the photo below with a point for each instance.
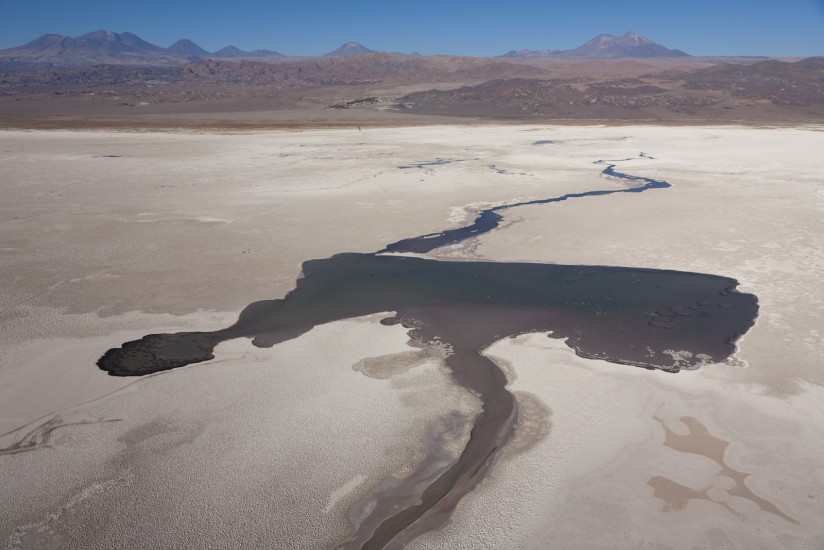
(174, 126)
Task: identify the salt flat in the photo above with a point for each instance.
(107, 236)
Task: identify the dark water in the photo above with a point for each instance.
(650, 318)
(436, 162)
(620, 314)
(490, 218)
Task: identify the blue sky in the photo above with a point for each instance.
(480, 27)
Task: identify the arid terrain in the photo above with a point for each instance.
(108, 236)
(383, 88)
(200, 224)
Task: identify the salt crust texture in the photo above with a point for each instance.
(108, 236)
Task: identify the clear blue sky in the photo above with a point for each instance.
(480, 27)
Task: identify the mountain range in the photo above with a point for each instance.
(106, 47)
(103, 46)
(606, 46)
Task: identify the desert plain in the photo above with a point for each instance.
(110, 235)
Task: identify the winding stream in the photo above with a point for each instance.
(650, 318)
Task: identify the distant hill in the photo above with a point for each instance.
(779, 82)
(565, 98)
(530, 54)
(728, 91)
(232, 52)
(106, 47)
(187, 48)
(350, 48)
(606, 46)
(229, 51)
(265, 53)
(214, 77)
(368, 68)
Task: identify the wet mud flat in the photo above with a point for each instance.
(655, 319)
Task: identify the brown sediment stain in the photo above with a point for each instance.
(389, 366)
(445, 440)
(532, 426)
(675, 495)
(729, 482)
